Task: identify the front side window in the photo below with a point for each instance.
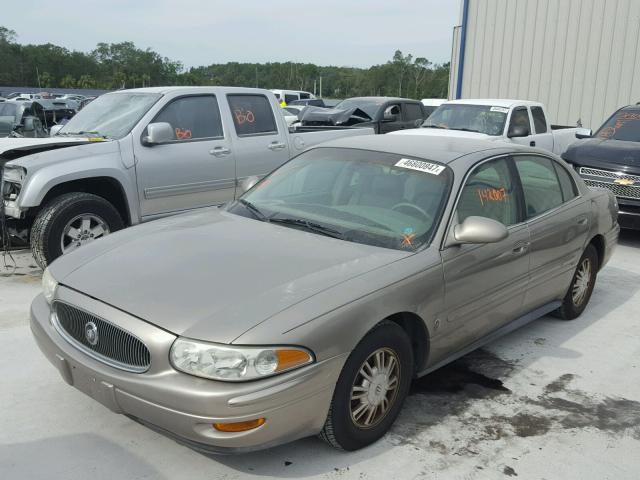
(540, 185)
(361, 196)
(192, 118)
(520, 118)
(490, 192)
(539, 120)
(252, 115)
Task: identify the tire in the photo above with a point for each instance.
(341, 429)
(51, 222)
(573, 307)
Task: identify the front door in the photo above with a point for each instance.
(196, 169)
(485, 284)
(259, 145)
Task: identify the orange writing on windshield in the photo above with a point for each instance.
(487, 195)
(407, 239)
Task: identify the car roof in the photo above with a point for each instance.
(385, 99)
(186, 90)
(439, 149)
(495, 102)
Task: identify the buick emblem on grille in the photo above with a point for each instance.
(91, 333)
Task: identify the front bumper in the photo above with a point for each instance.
(629, 213)
(182, 406)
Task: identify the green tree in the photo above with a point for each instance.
(68, 82)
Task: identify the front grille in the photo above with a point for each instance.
(595, 172)
(621, 191)
(111, 344)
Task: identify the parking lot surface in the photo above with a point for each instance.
(552, 400)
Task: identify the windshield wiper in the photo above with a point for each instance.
(434, 126)
(82, 132)
(253, 209)
(311, 226)
(467, 130)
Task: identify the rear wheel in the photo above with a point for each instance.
(581, 287)
(70, 221)
(372, 386)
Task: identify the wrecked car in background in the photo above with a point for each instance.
(135, 155)
(384, 114)
(32, 119)
(312, 302)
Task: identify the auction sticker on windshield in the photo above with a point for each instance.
(499, 109)
(421, 166)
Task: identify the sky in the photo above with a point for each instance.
(357, 33)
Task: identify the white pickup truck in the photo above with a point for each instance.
(518, 121)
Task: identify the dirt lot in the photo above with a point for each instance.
(554, 400)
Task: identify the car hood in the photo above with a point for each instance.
(25, 151)
(440, 132)
(600, 152)
(213, 275)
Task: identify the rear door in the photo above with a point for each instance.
(195, 169)
(259, 145)
(558, 219)
(485, 285)
(543, 136)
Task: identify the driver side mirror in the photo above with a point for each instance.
(479, 230)
(157, 133)
(389, 117)
(584, 133)
(516, 131)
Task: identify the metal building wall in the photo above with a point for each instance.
(579, 57)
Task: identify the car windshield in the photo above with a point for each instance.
(361, 196)
(370, 107)
(8, 109)
(111, 116)
(623, 125)
(470, 118)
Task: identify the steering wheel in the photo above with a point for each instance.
(411, 206)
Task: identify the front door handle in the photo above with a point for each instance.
(276, 146)
(521, 248)
(581, 220)
(219, 151)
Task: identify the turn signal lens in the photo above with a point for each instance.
(288, 359)
(239, 426)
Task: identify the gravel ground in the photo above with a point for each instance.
(553, 400)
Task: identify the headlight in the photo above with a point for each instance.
(235, 364)
(13, 174)
(49, 286)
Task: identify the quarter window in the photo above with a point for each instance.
(192, 118)
(542, 191)
(567, 184)
(252, 114)
(539, 121)
(490, 192)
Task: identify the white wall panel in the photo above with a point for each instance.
(579, 57)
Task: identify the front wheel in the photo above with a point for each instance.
(371, 389)
(70, 221)
(581, 287)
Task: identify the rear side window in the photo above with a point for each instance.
(542, 190)
(490, 192)
(193, 117)
(539, 121)
(252, 115)
(413, 111)
(567, 184)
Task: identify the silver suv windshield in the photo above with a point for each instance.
(468, 118)
(110, 116)
(360, 196)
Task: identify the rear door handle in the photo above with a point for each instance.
(276, 146)
(581, 220)
(219, 151)
(532, 143)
